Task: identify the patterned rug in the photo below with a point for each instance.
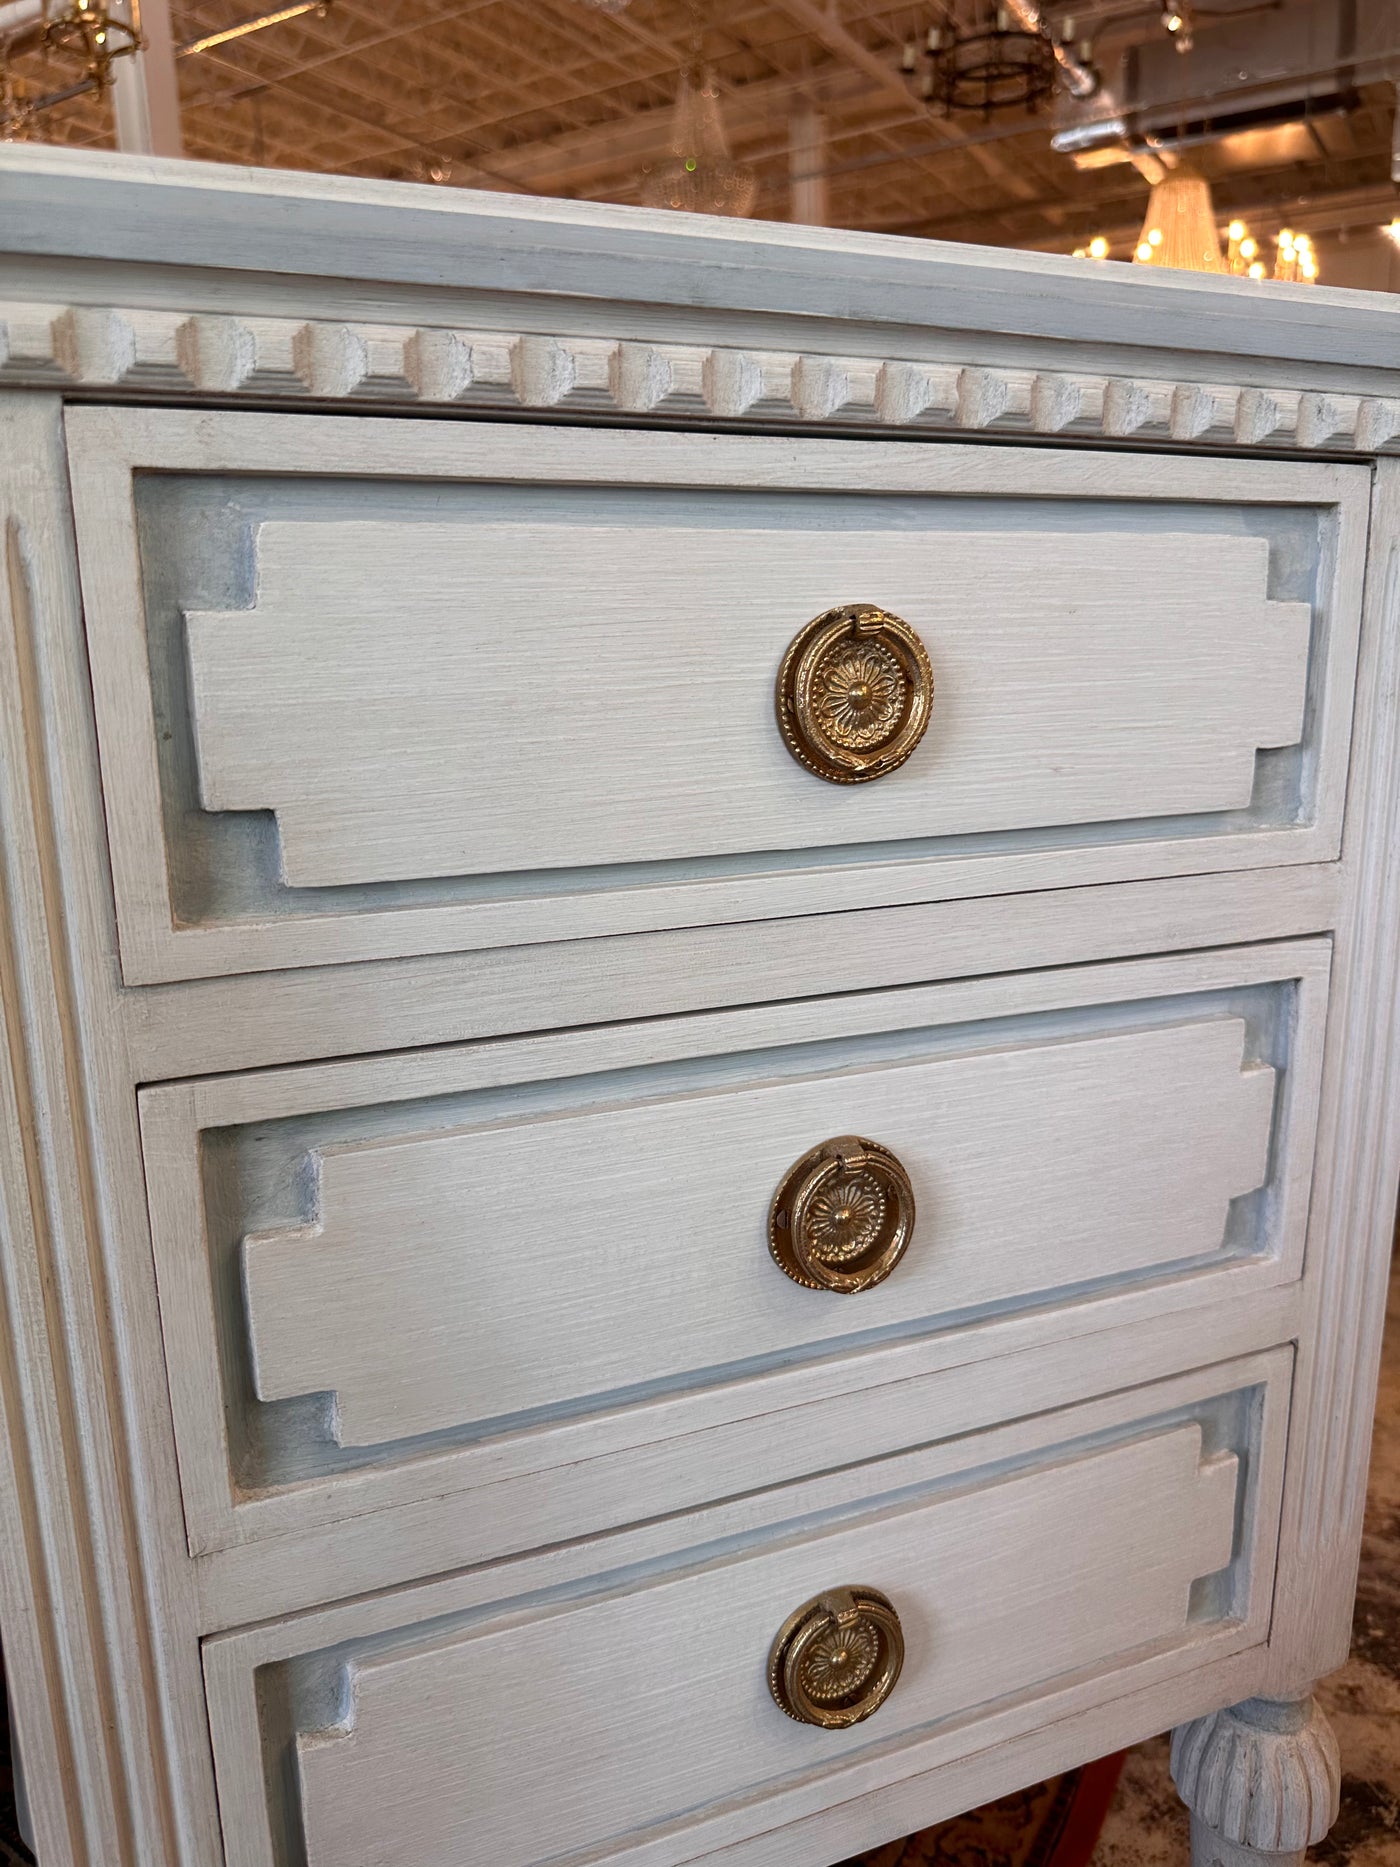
(1055, 1824)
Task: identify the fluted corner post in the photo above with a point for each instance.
(1261, 1780)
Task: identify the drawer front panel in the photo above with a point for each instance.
(483, 1246)
(398, 691)
(615, 1715)
(392, 715)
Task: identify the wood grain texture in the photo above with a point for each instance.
(88, 1522)
(1263, 1777)
(397, 689)
(753, 1553)
(236, 226)
(331, 360)
(554, 1294)
(243, 1022)
(425, 1521)
(713, 763)
(161, 285)
(449, 1279)
(473, 1742)
(1353, 1214)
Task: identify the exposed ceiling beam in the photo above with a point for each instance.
(578, 159)
(825, 27)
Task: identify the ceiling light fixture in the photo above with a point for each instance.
(89, 31)
(1007, 59)
(1179, 21)
(1179, 230)
(699, 176)
(244, 27)
(1295, 259)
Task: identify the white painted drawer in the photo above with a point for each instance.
(609, 1701)
(369, 688)
(388, 1279)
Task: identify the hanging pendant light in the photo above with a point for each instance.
(699, 176)
(1180, 228)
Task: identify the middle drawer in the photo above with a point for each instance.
(394, 1277)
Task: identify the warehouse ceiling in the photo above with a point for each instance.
(561, 97)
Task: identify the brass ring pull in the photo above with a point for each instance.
(842, 1216)
(836, 1660)
(854, 694)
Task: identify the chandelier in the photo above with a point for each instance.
(1180, 231)
(998, 63)
(1295, 261)
(89, 31)
(1180, 227)
(699, 176)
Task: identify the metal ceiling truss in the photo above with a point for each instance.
(555, 97)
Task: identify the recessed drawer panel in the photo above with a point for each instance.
(393, 1276)
(377, 688)
(657, 1695)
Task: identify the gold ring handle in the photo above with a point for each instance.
(842, 1216)
(836, 1660)
(854, 694)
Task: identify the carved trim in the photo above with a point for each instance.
(1265, 1774)
(1356, 1190)
(174, 353)
(100, 1624)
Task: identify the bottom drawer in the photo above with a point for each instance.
(612, 1699)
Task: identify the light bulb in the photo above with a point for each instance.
(1098, 247)
(1145, 254)
(1285, 236)
(1248, 248)
(1236, 230)
(1256, 271)
(1154, 236)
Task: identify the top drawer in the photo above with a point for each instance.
(368, 687)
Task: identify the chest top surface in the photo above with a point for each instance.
(177, 280)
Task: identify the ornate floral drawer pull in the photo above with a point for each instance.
(836, 1660)
(854, 694)
(842, 1217)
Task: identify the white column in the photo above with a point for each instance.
(809, 200)
(145, 91)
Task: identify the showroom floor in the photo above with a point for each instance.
(1146, 1826)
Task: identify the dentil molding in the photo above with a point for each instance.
(203, 354)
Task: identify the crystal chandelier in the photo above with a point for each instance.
(699, 176)
(1180, 228)
(1180, 231)
(1295, 262)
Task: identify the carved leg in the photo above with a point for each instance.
(1261, 1780)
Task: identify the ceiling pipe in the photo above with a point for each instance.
(1079, 76)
